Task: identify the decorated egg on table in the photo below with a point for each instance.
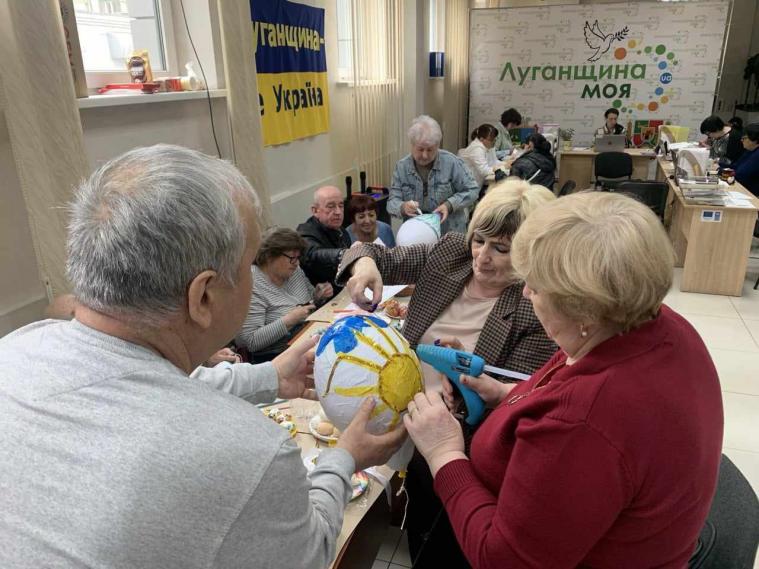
(419, 230)
(359, 357)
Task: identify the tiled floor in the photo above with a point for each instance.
(730, 329)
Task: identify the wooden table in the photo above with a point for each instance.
(366, 518)
(578, 165)
(327, 312)
(713, 254)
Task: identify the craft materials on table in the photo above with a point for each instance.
(359, 480)
(284, 420)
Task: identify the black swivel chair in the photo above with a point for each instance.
(653, 194)
(568, 187)
(730, 536)
(612, 166)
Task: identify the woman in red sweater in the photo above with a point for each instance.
(608, 456)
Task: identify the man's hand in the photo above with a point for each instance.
(323, 291)
(223, 355)
(365, 275)
(443, 211)
(298, 315)
(368, 449)
(293, 366)
(410, 208)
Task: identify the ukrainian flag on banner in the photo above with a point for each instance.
(292, 69)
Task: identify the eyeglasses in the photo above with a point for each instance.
(293, 259)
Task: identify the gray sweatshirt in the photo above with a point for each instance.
(110, 456)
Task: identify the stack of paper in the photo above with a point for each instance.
(738, 199)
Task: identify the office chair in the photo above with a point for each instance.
(612, 165)
(568, 187)
(730, 536)
(653, 194)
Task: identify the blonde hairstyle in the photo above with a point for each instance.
(598, 257)
(506, 205)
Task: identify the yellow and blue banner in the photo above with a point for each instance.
(292, 69)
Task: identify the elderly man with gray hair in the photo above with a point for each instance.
(430, 180)
(112, 456)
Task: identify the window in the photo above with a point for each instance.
(437, 25)
(367, 35)
(110, 30)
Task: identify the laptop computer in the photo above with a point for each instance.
(610, 143)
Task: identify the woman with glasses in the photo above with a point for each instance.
(282, 295)
(608, 455)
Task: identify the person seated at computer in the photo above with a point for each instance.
(611, 126)
(479, 156)
(510, 118)
(365, 227)
(747, 166)
(537, 165)
(723, 140)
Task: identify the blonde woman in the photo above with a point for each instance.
(468, 296)
(608, 456)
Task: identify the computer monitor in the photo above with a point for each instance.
(610, 143)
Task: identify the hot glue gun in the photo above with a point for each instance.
(454, 363)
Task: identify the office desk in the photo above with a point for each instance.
(577, 165)
(713, 254)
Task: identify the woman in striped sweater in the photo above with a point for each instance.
(282, 295)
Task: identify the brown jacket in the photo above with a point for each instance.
(512, 337)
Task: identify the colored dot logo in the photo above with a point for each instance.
(666, 78)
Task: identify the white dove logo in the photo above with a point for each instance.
(599, 41)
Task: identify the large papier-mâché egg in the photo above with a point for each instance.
(359, 357)
(422, 229)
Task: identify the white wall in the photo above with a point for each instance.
(109, 131)
(22, 295)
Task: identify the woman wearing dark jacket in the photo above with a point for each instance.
(724, 140)
(747, 166)
(466, 296)
(537, 165)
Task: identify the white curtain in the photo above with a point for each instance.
(456, 86)
(376, 75)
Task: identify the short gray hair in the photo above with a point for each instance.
(425, 130)
(146, 223)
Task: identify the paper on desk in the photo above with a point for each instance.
(388, 292)
(738, 196)
(733, 202)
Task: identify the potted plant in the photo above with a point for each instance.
(566, 134)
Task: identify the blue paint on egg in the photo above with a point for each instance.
(343, 333)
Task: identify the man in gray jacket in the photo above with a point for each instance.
(112, 456)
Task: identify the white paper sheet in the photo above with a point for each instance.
(738, 196)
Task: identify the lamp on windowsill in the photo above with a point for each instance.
(437, 64)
